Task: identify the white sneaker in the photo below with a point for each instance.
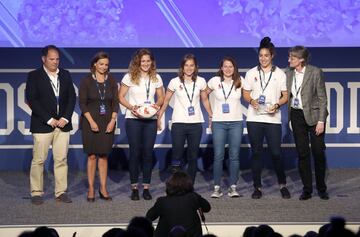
(217, 192)
(232, 191)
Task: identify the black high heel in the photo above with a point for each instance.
(108, 198)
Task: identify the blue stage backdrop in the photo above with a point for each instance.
(342, 74)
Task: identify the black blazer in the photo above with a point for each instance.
(42, 101)
(178, 210)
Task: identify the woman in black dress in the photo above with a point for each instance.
(99, 106)
(179, 207)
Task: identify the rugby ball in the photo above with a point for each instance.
(146, 111)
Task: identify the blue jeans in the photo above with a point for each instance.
(190, 132)
(141, 135)
(231, 133)
(272, 132)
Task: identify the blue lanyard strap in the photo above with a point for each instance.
(101, 93)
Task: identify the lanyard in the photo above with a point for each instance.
(296, 89)
(192, 96)
(147, 90)
(267, 83)
(223, 90)
(56, 88)
(102, 94)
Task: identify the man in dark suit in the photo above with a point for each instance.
(51, 96)
(307, 106)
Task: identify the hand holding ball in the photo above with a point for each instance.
(146, 110)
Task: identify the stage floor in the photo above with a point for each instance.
(343, 187)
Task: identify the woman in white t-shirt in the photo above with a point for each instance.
(141, 85)
(265, 90)
(187, 118)
(227, 122)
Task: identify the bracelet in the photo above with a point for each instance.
(277, 105)
(250, 101)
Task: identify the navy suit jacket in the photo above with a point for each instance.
(42, 100)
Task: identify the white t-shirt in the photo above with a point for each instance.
(181, 101)
(272, 93)
(137, 93)
(217, 100)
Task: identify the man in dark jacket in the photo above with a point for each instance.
(51, 96)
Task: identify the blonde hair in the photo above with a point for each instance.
(134, 66)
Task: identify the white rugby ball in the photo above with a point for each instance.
(146, 111)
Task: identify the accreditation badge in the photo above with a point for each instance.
(102, 109)
(225, 108)
(296, 103)
(191, 110)
(261, 99)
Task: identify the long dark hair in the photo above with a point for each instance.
(179, 183)
(181, 69)
(235, 76)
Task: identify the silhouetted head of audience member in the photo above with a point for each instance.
(323, 229)
(115, 232)
(179, 183)
(337, 228)
(311, 234)
(177, 231)
(142, 223)
(295, 235)
(43, 231)
(275, 234)
(209, 235)
(249, 231)
(133, 231)
(263, 231)
(26, 234)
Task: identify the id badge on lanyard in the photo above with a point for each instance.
(225, 108)
(191, 110)
(102, 109)
(262, 99)
(296, 103)
(57, 104)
